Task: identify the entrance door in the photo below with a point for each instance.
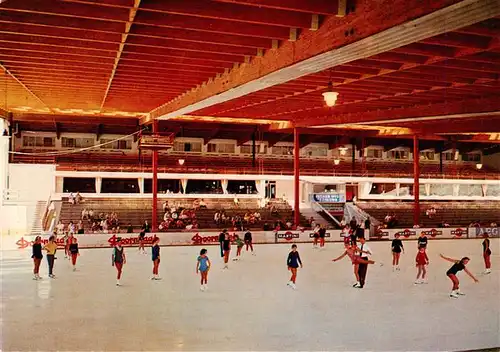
(351, 191)
(271, 189)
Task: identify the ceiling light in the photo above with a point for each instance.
(181, 161)
(479, 166)
(330, 96)
(336, 161)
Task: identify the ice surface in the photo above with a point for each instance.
(249, 306)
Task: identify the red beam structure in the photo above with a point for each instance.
(416, 181)
(296, 176)
(154, 220)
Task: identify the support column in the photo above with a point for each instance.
(296, 174)
(416, 181)
(154, 222)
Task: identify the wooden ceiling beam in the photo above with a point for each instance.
(322, 7)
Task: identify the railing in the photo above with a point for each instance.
(319, 206)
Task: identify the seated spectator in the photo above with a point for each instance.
(257, 216)
(203, 205)
(246, 217)
(266, 227)
(91, 215)
(95, 227)
(78, 198)
(85, 214)
(165, 206)
(80, 229)
(71, 198)
(104, 226)
(493, 224)
(166, 216)
(130, 229)
(236, 202)
(196, 204)
(217, 217)
(189, 226)
(288, 224)
(60, 228)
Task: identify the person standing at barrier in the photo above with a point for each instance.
(322, 234)
(203, 266)
(51, 249)
(37, 257)
(74, 251)
(364, 253)
(222, 236)
(226, 246)
(458, 265)
(487, 254)
(293, 262)
(397, 248)
(155, 254)
(248, 241)
(118, 259)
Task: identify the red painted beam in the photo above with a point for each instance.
(460, 40)
(209, 25)
(324, 7)
(18, 38)
(233, 12)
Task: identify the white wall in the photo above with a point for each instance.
(34, 182)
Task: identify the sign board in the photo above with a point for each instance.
(328, 197)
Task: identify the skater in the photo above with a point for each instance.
(452, 274)
(222, 236)
(316, 236)
(203, 266)
(37, 257)
(487, 254)
(65, 239)
(397, 248)
(293, 262)
(118, 259)
(364, 253)
(74, 252)
(322, 234)
(356, 260)
(248, 241)
(239, 247)
(67, 244)
(421, 261)
(226, 246)
(422, 241)
(51, 249)
(155, 252)
(142, 235)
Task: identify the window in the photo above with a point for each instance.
(282, 150)
(259, 149)
(374, 153)
(448, 156)
(383, 188)
(441, 190)
(187, 147)
(344, 153)
(67, 142)
(471, 157)
(221, 148)
(315, 151)
(428, 156)
(37, 141)
(399, 154)
(121, 144)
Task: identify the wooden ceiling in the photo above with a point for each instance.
(142, 59)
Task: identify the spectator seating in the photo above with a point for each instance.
(454, 213)
(136, 210)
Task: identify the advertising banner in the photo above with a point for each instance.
(475, 232)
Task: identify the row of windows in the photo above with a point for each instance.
(68, 142)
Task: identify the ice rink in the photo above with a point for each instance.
(249, 306)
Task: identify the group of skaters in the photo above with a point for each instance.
(356, 248)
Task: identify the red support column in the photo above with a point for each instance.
(296, 174)
(154, 220)
(416, 181)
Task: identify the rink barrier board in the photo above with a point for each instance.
(259, 237)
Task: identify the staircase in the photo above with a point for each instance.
(308, 212)
(34, 218)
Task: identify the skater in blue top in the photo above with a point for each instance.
(293, 262)
(203, 266)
